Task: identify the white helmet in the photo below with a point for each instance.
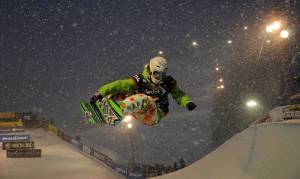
(158, 68)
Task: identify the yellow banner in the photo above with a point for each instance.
(17, 123)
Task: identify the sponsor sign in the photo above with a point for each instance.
(108, 161)
(11, 123)
(86, 149)
(291, 115)
(7, 115)
(291, 112)
(17, 145)
(14, 138)
(11, 129)
(121, 170)
(26, 153)
(135, 175)
(99, 156)
(285, 113)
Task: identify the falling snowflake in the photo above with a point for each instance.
(81, 11)
(74, 24)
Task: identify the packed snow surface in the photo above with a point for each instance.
(264, 151)
(59, 160)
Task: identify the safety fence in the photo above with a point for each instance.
(95, 154)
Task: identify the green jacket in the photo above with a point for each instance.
(129, 86)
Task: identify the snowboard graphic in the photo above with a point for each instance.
(141, 107)
(105, 111)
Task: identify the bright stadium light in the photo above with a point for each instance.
(276, 25)
(160, 52)
(269, 28)
(284, 34)
(194, 43)
(220, 87)
(251, 103)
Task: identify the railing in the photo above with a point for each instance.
(97, 155)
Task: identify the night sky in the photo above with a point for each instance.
(55, 54)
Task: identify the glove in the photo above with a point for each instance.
(95, 98)
(191, 106)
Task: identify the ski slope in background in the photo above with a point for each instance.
(264, 151)
(59, 160)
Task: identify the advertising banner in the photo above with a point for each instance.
(26, 153)
(11, 123)
(108, 161)
(135, 175)
(292, 112)
(122, 170)
(11, 129)
(17, 145)
(86, 149)
(14, 138)
(285, 113)
(7, 115)
(99, 156)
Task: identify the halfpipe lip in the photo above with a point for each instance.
(257, 150)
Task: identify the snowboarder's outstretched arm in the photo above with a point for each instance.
(181, 98)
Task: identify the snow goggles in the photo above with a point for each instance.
(158, 75)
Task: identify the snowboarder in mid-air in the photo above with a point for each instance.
(145, 96)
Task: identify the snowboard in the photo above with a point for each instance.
(106, 111)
